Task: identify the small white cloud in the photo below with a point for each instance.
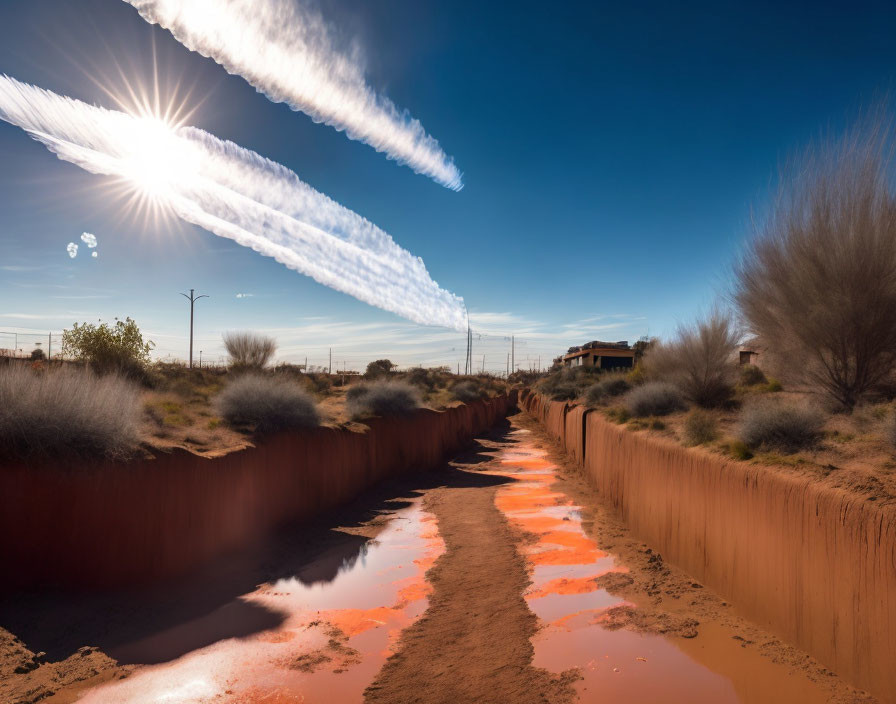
(93, 254)
(72, 249)
(245, 295)
(89, 240)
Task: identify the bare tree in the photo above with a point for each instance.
(699, 360)
(248, 350)
(818, 282)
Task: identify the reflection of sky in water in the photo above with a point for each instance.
(370, 597)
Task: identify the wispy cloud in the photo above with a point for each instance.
(286, 50)
(239, 195)
(245, 295)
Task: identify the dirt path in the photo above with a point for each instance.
(497, 579)
(473, 644)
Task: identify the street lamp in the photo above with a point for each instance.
(192, 299)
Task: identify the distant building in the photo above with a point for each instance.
(602, 355)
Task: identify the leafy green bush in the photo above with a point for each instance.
(379, 368)
(109, 348)
(699, 427)
(381, 398)
(787, 427)
(267, 404)
(655, 398)
(68, 412)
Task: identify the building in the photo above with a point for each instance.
(601, 355)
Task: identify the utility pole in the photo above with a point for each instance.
(192, 299)
(512, 353)
(508, 364)
(306, 364)
(330, 368)
(49, 346)
(200, 359)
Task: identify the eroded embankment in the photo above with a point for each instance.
(110, 523)
(814, 564)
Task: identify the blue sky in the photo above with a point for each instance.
(611, 156)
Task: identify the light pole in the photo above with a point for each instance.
(192, 299)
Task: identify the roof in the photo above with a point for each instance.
(615, 351)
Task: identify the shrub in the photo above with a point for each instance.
(266, 404)
(738, 450)
(567, 383)
(66, 412)
(467, 391)
(248, 350)
(655, 398)
(379, 368)
(619, 414)
(381, 398)
(37, 355)
(699, 360)
(117, 348)
(609, 386)
(818, 282)
(890, 431)
(751, 375)
(699, 427)
(781, 426)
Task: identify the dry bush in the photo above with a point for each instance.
(655, 398)
(249, 350)
(699, 427)
(818, 282)
(699, 360)
(751, 375)
(567, 383)
(381, 398)
(467, 391)
(66, 412)
(771, 425)
(267, 404)
(614, 384)
(379, 368)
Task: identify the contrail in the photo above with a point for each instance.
(288, 52)
(235, 193)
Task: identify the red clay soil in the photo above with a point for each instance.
(473, 644)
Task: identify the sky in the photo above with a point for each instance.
(611, 158)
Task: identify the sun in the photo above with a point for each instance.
(158, 161)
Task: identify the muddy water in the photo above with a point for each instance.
(576, 615)
(333, 639)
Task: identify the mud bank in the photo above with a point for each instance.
(111, 524)
(811, 563)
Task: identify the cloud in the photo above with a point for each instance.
(72, 249)
(89, 240)
(286, 50)
(237, 194)
(245, 295)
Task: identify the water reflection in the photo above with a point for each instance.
(614, 663)
(340, 619)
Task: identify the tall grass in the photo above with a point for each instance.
(249, 350)
(267, 404)
(66, 412)
(381, 398)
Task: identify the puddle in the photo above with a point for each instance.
(333, 638)
(618, 665)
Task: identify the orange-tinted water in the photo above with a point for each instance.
(333, 639)
(617, 665)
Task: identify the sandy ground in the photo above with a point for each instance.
(474, 643)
